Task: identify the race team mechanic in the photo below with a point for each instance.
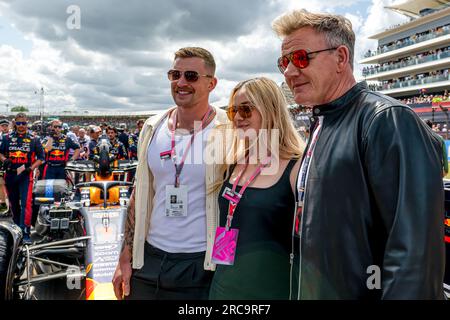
(57, 147)
(117, 149)
(133, 140)
(21, 153)
(4, 129)
(73, 134)
(123, 136)
(94, 134)
(83, 140)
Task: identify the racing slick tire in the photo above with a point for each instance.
(5, 257)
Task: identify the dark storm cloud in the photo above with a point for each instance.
(132, 38)
(88, 98)
(125, 90)
(114, 25)
(144, 59)
(70, 52)
(153, 101)
(95, 77)
(252, 61)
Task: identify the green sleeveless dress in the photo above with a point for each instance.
(261, 268)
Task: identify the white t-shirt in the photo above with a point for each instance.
(178, 234)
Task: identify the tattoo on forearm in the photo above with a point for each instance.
(130, 224)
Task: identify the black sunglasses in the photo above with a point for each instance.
(21, 123)
(57, 127)
(299, 58)
(190, 76)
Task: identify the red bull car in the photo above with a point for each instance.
(76, 238)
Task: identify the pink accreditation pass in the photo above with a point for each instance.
(224, 249)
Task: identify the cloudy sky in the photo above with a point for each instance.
(117, 60)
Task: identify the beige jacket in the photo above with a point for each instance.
(144, 191)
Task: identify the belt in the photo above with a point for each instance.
(56, 164)
(151, 250)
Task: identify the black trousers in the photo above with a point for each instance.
(170, 276)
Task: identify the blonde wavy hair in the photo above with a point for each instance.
(265, 95)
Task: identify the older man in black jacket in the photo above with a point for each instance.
(370, 217)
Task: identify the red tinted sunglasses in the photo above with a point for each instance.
(245, 111)
(299, 58)
(190, 76)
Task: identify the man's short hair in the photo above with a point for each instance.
(140, 121)
(336, 28)
(3, 120)
(20, 115)
(197, 52)
(95, 129)
(53, 122)
(111, 128)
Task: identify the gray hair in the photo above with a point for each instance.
(336, 29)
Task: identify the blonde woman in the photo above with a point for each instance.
(256, 200)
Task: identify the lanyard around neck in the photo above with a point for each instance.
(233, 204)
(179, 167)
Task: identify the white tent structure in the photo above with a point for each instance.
(413, 8)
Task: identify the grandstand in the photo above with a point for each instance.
(91, 117)
(412, 60)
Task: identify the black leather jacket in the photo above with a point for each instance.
(374, 197)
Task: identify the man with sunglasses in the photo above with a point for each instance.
(370, 197)
(164, 239)
(21, 153)
(57, 147)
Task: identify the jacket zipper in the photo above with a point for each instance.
(292, 254)
(304, 212)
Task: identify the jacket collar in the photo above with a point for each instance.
(21, 135)
(341, 102)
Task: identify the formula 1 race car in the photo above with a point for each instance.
(76, 239)
(447, 238)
